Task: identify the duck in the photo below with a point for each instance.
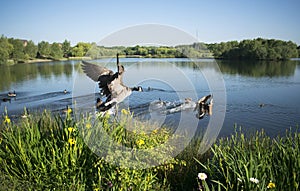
(12, 94)
(110, 83)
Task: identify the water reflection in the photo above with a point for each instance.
(258, 68)
(24, 72)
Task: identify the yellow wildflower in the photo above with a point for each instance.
(6, 119)
(88, 125)
(140, 142)
(124, 111)
(71, 141)
(154, 131)
(70, 129)
(69, 110)
(271, 185)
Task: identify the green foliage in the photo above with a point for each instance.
(44, 49)
(81, 49)
(256, 49)
(251, 163)
(196, 50)
(46, 152)
(31, 50)
(5, 49)
(66, 48)
(43, 152)
(56, 51)
(17, 54)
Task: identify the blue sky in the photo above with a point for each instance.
(209, 20)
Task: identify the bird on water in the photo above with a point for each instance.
(110, 83)
(12, 94)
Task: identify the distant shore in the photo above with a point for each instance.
(11, 62)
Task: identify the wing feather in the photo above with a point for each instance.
(94, 71)
(111, 84)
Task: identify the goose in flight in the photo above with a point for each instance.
(110, 83)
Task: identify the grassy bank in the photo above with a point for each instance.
(46, 152)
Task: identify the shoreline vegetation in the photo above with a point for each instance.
(55, 152)
(25, 51)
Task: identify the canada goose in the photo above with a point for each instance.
(204, 107)
(6, 99)
(12, 94)
(111, 84)
(100, 105)
(187, 100)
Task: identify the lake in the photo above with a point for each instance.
(254, 95)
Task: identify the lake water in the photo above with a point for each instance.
(254, 95)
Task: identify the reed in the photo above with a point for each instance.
(61, 152)
(46, 152)
(255, 162)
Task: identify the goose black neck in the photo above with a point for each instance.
(118, 59)
(135, 89)
(139, 89)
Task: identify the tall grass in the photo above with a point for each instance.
(61, 152)
(47, 152)
(256, 162)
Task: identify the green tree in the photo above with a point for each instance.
(5, 49)
(66, 48)
(81, 49)
(78, 51)
(44, 49)
(256, 49)
(30, 49)
(56, 51)
(17, 54)
(94, 51)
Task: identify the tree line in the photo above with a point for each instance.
(256, 49)
(17, 50)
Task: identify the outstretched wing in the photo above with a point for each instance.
(204, 99)
(99, 74)
(110, 83)
(95, 71)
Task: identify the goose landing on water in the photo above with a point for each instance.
(204, 106)
(111, 84)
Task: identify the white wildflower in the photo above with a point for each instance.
(202, 176)
(254, 180)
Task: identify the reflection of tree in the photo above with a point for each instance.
(258, 68)
(21, 72)
(195, 65)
